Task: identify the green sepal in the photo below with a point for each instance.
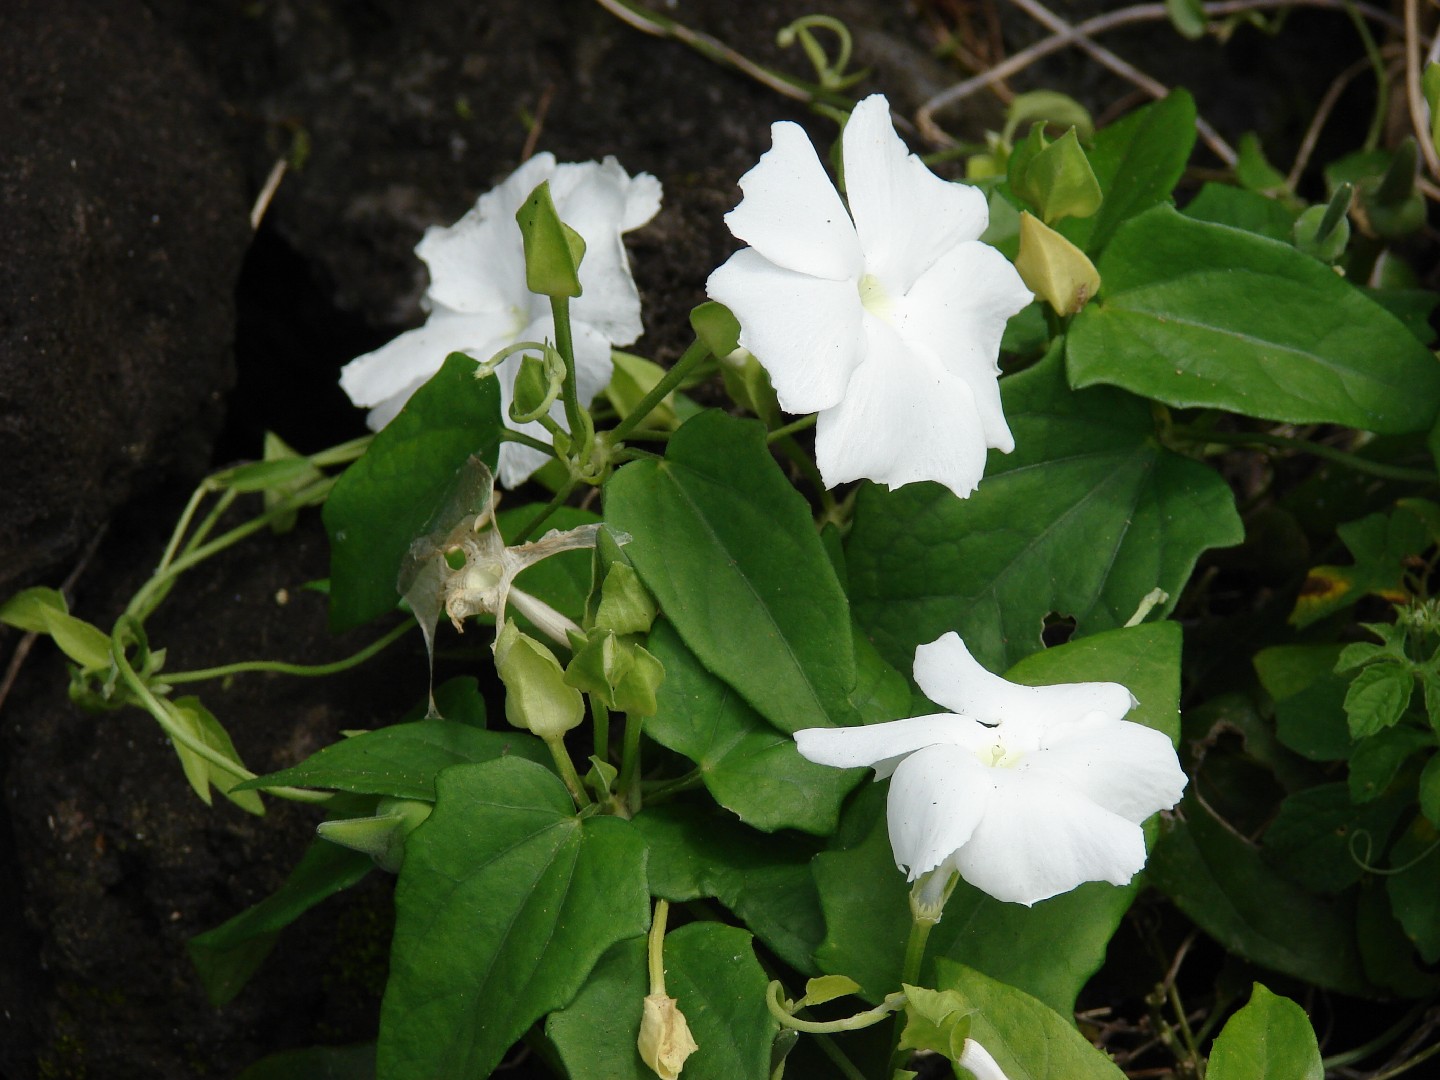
(626, 606)
(1053, 268)
(748, 385)
(1056, 178)
(623, 675)
(535, 389)
(716, 326)
(553, 250)
(537, 697)
(382, 835)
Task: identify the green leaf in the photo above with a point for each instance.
(1222, 883)
(1377, 698)
(505, 902)
(712, 974)
(1309, 699)
(1222, 204)
(1195, 314)
(750, 768)
(403, 760)
(827, 988)
(1254, 171)
(1188, 17)
(1269, 1039)
(355, 1062)
(728, 548)
(385, 500)
(228, 955)
(935, 1020)
(1389, 955)
(40, 610)
(1378, 760)
(202, 772)
(1413, 889)
(1319, 832)
(1028, 1039)
(1085, 518)
(695, 854)
(1138, 161)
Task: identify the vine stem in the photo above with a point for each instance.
(1414, 97)
(1078, 34)
(285, 668)
(160, 710)
(682, 367)
(910, 976)
(1329, 453)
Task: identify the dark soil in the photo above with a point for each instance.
(119, 338)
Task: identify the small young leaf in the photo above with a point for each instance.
(1377, 698)
(202, 772)
(1269, 1039)
(827, 988)
(1188, 17)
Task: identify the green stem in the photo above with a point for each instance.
(892, 1003)
(600, 715)
(565, 346)
(204, 529)
(655, 946)
(666, 789)
(910, 976)
(545, 512)
(835, 1054)
(1328, 453)
(1382, 80)
(1406, 1066)
(629, 782)
(791, 428)
(140, 607)
(284, 668)
(566, 768)
(186, 516)
(668, 382)
(160, 710)
(510, 435)
(342, 453)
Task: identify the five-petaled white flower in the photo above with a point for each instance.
(886, 320)
(479, 304)
(1026, 791)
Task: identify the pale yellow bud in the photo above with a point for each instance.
(665, 1041)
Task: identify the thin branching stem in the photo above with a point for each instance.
(284, 668)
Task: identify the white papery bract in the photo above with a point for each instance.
(1025, 791)
(479, 304)
(886, 319)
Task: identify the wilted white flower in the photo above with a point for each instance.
(1025, 791)
(462, 566)
(885, 320)
(479, 304)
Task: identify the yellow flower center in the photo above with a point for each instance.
(875, 299)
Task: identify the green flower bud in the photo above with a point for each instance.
(382, 835)
(1053, 268)
(536, 695)
(1056, 178)
(717, 327)
(1323, 231)
(553, 250)
(626, 606)
(535, 391)
(621, 674)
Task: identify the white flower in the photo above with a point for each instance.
(1025, 791)
(480, 579)
(887, 325)
(479, 304)
(977, 1059)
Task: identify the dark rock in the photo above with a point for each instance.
(123, 227)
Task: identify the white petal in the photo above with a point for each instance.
(792, 214)
(977, 1059)
(1039, 839)
(903, 419)
(415, 355)
(905, 215)
(956, 311)
(1127, 768)
(478, 264)
(884, 745)
(949, 676)
(594, 200)
(938, 797)
(805, 330)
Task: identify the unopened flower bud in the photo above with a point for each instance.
(382, 835)
(536, 696)
(665, 1040)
